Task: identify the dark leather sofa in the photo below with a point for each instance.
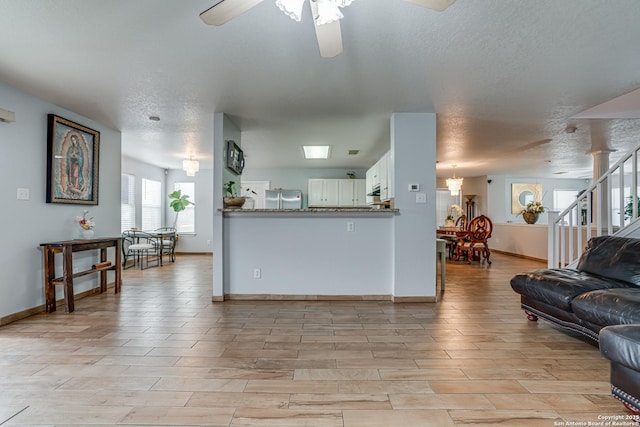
(600, 299)
(603, 290)
(621, 345)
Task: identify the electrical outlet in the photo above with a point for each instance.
(351, 226)
(257, 273)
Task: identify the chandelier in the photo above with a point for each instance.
(190, 166)
(454, 184)
(328, 10)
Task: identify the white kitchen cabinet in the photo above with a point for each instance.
(389, 175)
(352, 192)
(383, 167)
(323, 192)
(381, 175)
(372, 180)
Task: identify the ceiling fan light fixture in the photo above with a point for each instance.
(291, 8)
(328, 12)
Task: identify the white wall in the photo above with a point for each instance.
(499, 195)
(28, 223)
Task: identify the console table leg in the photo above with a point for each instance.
(118, 278)
(49, 275)
(67, 274)
(103, 274)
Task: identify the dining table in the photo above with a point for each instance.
(161, 235)
(450, 235)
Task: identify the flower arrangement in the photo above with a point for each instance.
(533, 208)
(453, 212)
(86, 224)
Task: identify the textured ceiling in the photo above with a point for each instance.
(505, 77)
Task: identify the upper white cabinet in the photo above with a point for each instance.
(352, 192)
(386, 177)
(323, 192)
(337, 193)
(381, 175)
(372, 180)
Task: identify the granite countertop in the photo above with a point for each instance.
(310, 211)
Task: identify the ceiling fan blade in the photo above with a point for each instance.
(329, 35)
(226, 10)
(438, 5)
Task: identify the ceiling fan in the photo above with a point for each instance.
(326, 16)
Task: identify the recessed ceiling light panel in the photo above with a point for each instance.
(316, 151)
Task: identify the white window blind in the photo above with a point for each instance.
(187, 218)
(127, 202)
(444, 200)
(151, 204)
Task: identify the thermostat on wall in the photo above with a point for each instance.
(414, 187)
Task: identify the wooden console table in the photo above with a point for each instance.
(67, 248)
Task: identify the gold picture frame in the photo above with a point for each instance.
(72, 162)
(521, 194)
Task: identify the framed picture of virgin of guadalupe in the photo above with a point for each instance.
(72, 162)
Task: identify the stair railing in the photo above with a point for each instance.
(596, 212)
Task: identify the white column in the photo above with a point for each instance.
(413, 153)
(218, 224)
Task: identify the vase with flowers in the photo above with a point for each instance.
(86, 224)
(453, 212)
(532, 212)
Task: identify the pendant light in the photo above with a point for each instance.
(454, 184)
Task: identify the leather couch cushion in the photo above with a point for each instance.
(614, 257)
(609, 307)
(620, 344)
(559, 286)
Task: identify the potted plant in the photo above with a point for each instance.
(179, 202)
(628, 207)
(231, 198)
(532, 211)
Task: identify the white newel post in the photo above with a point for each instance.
(552, 240)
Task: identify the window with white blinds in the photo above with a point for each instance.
(127, 202)
(151, 204)
(444, 200)
(187, 218)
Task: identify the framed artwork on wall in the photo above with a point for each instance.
(235, 158)
(521, 194)
(72, 162)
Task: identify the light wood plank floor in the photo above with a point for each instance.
(162, 354)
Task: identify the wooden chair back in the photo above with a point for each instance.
(462, 222)
(480, 229)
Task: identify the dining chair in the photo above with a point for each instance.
(139, 245)
(473, 242)
(168, 237)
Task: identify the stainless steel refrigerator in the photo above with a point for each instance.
(283, 199)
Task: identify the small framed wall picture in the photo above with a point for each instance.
(72, 162)
(235, 157)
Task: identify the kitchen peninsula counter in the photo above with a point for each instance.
(313, 212)
(308, 253)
